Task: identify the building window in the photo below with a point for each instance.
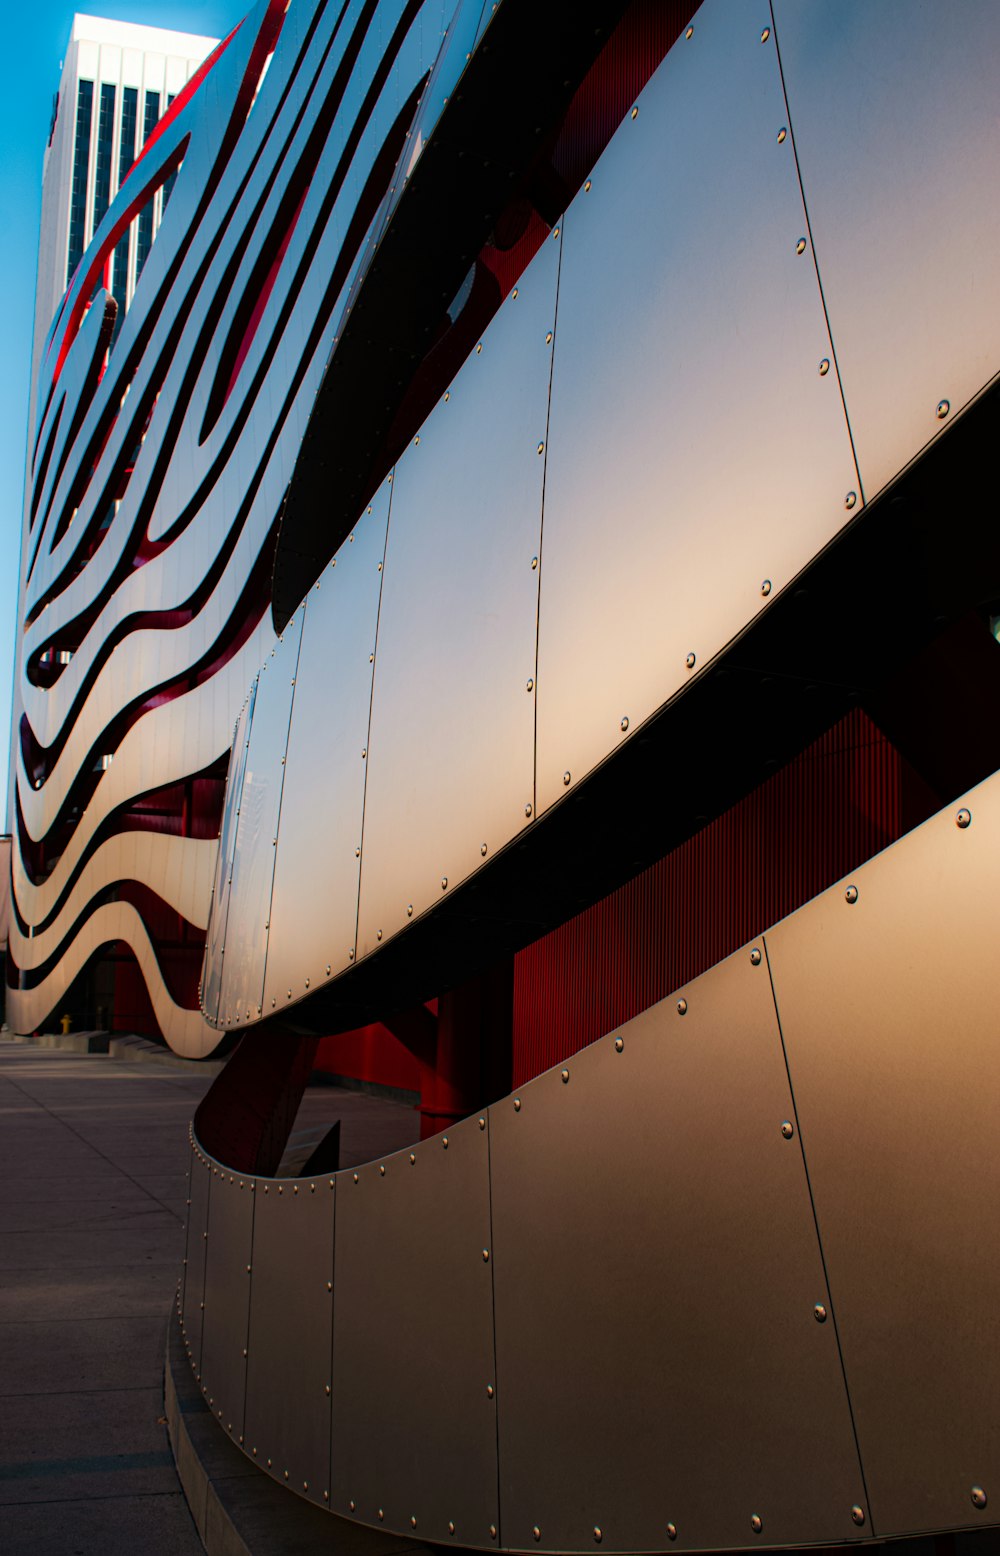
(145, 239)
(105, 135)
(126, 156)
(81, 175)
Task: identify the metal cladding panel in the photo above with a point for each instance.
(653, 1209)
(216, 938)
(256, 834)
(315, 902)
(287, 1423)
(897, 138)
(697, 455)
(451, 758)
(888, 1010)
(414, 1430)
(227, 1298)
(193, 1293)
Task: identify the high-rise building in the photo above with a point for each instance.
(118, 79)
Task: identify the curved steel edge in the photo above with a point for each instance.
(681, 1281)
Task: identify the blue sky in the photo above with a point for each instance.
(35, 37)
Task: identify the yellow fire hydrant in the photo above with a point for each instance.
(66, 1023)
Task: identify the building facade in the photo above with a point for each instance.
(488, 609)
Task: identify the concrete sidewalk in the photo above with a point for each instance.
(93, 1157)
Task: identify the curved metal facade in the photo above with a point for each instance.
(585, 443)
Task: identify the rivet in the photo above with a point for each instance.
(493, 1531)
(517, 1104)
(328, 969)
(851, 894)
(765, 587)
(819, 1313)
(364, 752)
(371, 659)
(352, 1505)
(540, 448)
(598, 1537)
(489, 1391)
(289, 993)
(635, 115)
(357, 853)
(564, 1077)
(788, 1129)
(307, 983)
(305, 1485)
(514, 292)
(381, 1515)
(963, 818)
(682, 1006)
(444, 883)
(412, 1158)
(482, 1123)
(527, 810)
(671, 1531)
(858, 1513)
(756, 1523)
(689, 661)
(350, 953)
(413, 1522)
(782, 135)
(451, 1527)
(944, 406)
(978, 1496)
(765, 35)
(444, 1141)
(529, 685)
(355, 1177)
(566, 777)
(326, 1496)
(381, 1170)
(479, 348)
(824, 367)
(548, 338)
(447, 394)
(269, 1464)
(555, 232)
(619, 1044)
(483, 849)
(416, 439)
(755, 957)
(587, 187)
(624, 725)
(689, 33)
(378, 934)
(409, 910)
(850, 500)
(536, 1531)
(534, 563)
(486, 1256)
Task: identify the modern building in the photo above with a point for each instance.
(487, 613)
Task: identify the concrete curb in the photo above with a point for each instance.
(237, 1509)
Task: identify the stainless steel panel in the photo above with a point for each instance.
(287, 1424)
(414, 1430)
(215, 939)
(695, 450)
(897, 137)
(314, 910)
(450, 764)
(888, 1010)
(227, 1298)
(196, 1240)
(256, 835)
(656, 1271)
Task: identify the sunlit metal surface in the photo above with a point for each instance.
(227, 1296)
(886, 1009)
(897, 138)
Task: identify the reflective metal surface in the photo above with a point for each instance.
(315, 899)
(896, 133)
(288, 1400)
(451, 752)
(887, 1010)
(195, 1248)
(655, 1293)
(215, 943)
(252, 873)
(414, 1430)
(227, 1298)
(694, 448)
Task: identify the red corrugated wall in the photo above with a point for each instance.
(845, 798)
